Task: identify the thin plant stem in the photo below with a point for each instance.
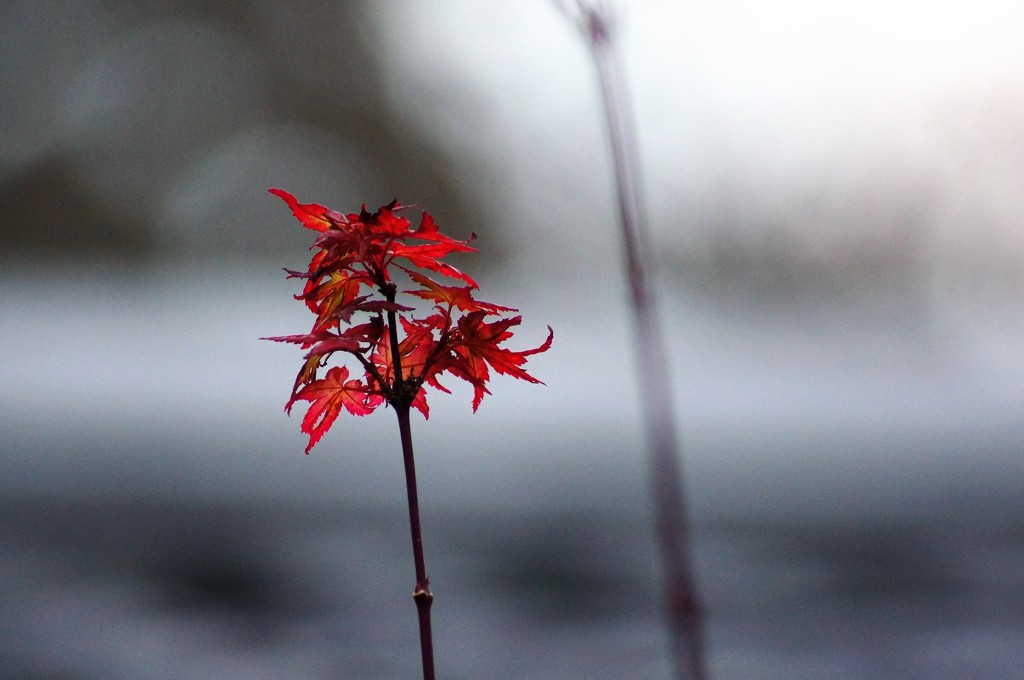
(421, 593)
(402, 401)
(683, 611)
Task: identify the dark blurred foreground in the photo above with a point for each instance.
(856, 494)
(134, 588)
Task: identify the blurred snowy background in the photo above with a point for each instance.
(836, 195)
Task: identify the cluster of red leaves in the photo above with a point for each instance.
(354, 256)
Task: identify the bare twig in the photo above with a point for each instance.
(684, 615)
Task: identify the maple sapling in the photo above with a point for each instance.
(355, 255)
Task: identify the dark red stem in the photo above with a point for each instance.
(421, 594)
(402, 401)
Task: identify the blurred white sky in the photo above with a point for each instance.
(883, 140)
(770, 99)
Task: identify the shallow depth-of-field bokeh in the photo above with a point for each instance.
(836, 215)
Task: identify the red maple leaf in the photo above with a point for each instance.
(351, 263)
(328, 396)
(314, 216)
(448, 297)
(477, 348)
(428, 256)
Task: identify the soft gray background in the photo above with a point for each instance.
(836, 209)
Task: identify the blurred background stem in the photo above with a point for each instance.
(683, 612)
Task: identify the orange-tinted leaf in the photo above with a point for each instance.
(314, 216)
(383, 360)
(329, 298)
(307, 374)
